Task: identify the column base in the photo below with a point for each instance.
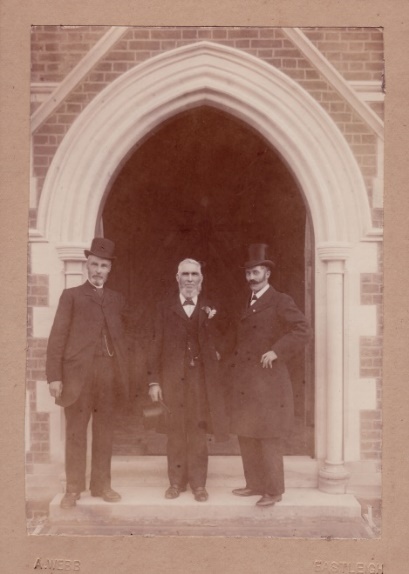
(333, 479)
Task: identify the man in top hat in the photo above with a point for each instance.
(183, 371)
(87, 371)
(270, 330)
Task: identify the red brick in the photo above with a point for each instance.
(333, 36)
(166, 34)
(319, 86)
(50, 128)
(374, 66)
(289, 63)
(219, 33)
(140, 33)
(122, 56)
(332, 46)
(144, 45)
(120, 67)
(189, 33)
(204, 33)
(359, 36)
(313, 35)
(303, 63)
(168, 44)
(242, 33)
(311, 75)
(268, 33)
(104, 67)
(242, 44)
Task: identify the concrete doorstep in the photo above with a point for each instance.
(143, 510)
(304, 511)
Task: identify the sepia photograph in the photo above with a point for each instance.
(205, 281)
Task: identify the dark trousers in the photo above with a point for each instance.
(96, 399)
(263, 464)
(187, 437)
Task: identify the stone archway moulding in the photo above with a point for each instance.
(203, 73)
(280, 110)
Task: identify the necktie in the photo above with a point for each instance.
(100, 293)
(189, 302)
(253, 299)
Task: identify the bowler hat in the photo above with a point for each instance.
(258, 256)
(101, 247)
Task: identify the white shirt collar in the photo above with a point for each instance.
(261, 292)
(183, 299)
(95, 286)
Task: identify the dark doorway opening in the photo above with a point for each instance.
(205, 185)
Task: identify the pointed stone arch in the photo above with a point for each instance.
(203, 73)
(127, 111)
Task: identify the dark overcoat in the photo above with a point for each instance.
(75, 333)
(261, 399)
(167, 361)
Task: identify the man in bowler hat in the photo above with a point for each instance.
(183, 371)
(87, 371)
(270, 330)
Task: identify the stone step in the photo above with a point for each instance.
(300, 471)
(144, 510)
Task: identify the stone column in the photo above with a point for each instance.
(73, 257)
(333, 476)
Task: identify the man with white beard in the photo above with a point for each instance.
(183, 372)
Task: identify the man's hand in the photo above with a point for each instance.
(55, 388)
(155, 392)
(267, 359)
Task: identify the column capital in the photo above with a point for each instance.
(71, 252)
(334, 251)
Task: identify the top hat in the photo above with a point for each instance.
(101, 247)
(258, 256)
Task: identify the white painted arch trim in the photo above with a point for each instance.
(204, 73)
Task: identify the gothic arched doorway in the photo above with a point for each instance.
(205, 185)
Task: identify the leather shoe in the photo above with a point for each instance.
(200, 494)
(69, 500)
(268, 500)
(246, 492)
(107, 494)
(174, 490)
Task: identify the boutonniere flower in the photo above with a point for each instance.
(209, 312)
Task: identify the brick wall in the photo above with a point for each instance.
(55, 50)
(371, 363)
(39, 448)
(357, 53)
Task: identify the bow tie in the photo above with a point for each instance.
(189, 302)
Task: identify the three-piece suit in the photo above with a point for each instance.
(88, 352)
(261, 399)
(183, 359)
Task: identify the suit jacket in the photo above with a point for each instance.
(261, 399)
(75, 333)
(167, 360)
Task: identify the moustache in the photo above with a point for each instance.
(253, 282)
